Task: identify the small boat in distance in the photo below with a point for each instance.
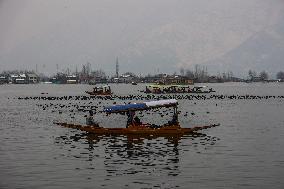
(135, 127)
(102, 90)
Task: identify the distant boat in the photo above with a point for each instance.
(133, 83)
(164, 89)
(47, 82)
(103, 90)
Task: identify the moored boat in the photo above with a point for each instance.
(165, 89)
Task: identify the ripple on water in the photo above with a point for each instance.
(131, 155)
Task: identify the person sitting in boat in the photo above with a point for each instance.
(147, 90)
(174, 120)
(90, 119)
(137, 121)
(108, 90)
(130, 116)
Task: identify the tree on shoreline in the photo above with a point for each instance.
(252, 74)
(263, 75)
(280, 75)
(189, 74)
(182, 71)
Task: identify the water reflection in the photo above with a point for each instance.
(141, 154)
(132, 154)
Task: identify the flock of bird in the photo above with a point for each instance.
(154, 97)
(97, 107)
(72, 105)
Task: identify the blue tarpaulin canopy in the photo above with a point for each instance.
(140, 106)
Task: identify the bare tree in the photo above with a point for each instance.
(263, 75)
(230, 75)
(99, 73)
(252, 74)
(189, 74)
(182, 71)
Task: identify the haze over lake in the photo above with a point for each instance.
(147, 36)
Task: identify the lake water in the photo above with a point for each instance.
(245, 151)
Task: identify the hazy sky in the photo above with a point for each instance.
(148, 36)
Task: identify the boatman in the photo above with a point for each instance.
(130, 117)
(137, 121)
(90, 118)
(174, 120)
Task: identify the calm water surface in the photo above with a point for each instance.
(245, 151)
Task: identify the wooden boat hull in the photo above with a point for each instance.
(136, 130)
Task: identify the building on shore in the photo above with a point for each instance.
(3, 79)
(125, 78)
(32, 78)
(71, 79)
(18, 78)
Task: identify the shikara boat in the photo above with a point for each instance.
(103, 90)
(134, 125)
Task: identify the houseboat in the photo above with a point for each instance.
(165, 89)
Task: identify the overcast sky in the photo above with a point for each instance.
(148, 36)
